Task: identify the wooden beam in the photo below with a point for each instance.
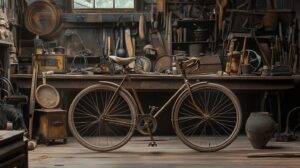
(103, 17)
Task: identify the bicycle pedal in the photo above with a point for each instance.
(152, 144)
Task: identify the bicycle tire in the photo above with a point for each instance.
(185, 139)
(124, 94)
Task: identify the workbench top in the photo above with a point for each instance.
(159, 76)
(162, 82)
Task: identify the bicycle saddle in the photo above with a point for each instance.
(185, 63)
(122, 61)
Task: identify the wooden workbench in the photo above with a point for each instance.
(158, 82)
(161, 82)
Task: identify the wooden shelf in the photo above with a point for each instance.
(195, 20)
(192, 42)
(248, 35)
(193, 3)
(69, 56)
(260, 12)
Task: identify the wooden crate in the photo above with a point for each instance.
(52, 125)
(13, 150)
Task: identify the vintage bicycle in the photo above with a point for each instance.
(206, 116)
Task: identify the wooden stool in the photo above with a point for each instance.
(52, 125)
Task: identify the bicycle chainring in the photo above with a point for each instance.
(144, 121)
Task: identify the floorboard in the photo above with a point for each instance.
(169, 153)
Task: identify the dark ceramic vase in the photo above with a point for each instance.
(260, 128)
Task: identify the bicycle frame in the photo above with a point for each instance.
(127, 77)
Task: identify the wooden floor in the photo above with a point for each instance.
(169, 153)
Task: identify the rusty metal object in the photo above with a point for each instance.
(290, 129)
(44, 19)
(46, 95)
(260, 127)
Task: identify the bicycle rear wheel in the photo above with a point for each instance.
(97, 130)
(209, 120)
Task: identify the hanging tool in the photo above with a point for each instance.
(134, 34)
(244, 57)
(168, 37)
(128, 42)
(142, 27)
(265, 59)
(109, 44)
(221, 4)
(129, 47)
(121, 52)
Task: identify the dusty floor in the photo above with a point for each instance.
(169, 153)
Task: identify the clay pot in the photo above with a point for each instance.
(260, 128)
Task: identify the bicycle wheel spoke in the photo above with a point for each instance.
(218, 123)
(220, 106)
(195, 106)
(189, 127)
(120, 109)
(95, 104)
(89, 105)
(95, 129)
(203, 131)
(195, 128)
(78, 111)
(220, 109)
(86, 128)
(223, 127)
(83, 109)
(222, 97)
(221, 114)
(202, 101)
(188, 112)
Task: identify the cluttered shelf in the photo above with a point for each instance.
(261, 11)
(162, 82)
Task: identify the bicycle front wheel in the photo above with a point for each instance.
(98, 130)
(208, 118)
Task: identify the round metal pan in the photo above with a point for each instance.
(47, 96)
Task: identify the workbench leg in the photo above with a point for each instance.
(263, 106)
(279, 108)
(263, 102)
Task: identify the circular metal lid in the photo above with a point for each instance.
(42, 18)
